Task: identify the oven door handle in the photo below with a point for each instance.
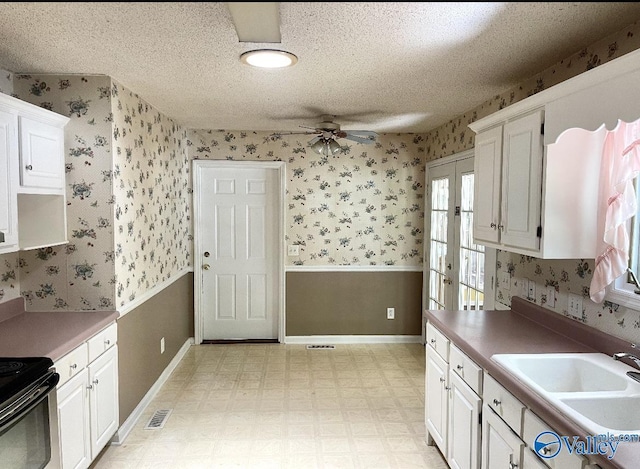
(29, 398)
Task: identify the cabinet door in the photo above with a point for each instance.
(103, 399)
(464, 425)
(8, 183)
(41, 154)
(436, 401)
(522, 182)
(501, 448)
(73, 422)
(487, 174)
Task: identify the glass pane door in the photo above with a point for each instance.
(456, 263)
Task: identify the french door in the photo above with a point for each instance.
(455, 273)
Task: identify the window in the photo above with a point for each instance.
(623, 290)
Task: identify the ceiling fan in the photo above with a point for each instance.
(328, 132)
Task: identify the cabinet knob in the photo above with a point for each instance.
(29, 167)
(513, 465)
(442, 380)
(95, 381)
(433, 341)
(496, 402)
(493, 225)
(90, 387)
(107, 342)
(501, 227)
(459, 367)
(447, 388)
(206, 266)
(74, 366)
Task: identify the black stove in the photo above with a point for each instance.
(17, 374)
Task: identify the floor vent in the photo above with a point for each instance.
(158, 419)
(321, 346)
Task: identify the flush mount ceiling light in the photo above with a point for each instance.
(269, 58)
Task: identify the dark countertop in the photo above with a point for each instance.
(529, 328)
(47, 334)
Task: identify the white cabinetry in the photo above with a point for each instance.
(437, 386)
(452, 408)
(87, 399)
(508, 168)
(33, 209)
(502, 446)
(8, 183)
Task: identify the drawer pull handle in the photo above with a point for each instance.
(459, 367)
(496, 402)
(29, 167)
(74, 366)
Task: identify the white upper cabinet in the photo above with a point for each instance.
(537, 185)
(41, 154)
(32, 189)
(8, 184)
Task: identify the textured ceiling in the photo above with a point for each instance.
(389, 67)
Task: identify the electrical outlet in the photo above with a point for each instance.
(575, 305)
(504, 280)
(531, 294)
(162, 345)
(391, 313)
(293, 250)
(524, 287)
(551, 297)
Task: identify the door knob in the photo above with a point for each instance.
(206, 266)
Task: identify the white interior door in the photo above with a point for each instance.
(238, 253)
(456, 267)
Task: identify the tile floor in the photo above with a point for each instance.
(284, 406)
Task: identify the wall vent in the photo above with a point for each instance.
(158, 419)
(321, 346)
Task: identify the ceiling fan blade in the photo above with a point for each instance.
(369, 133)
(314, 140)
(355, 138)
(294, 133)
(256, 21)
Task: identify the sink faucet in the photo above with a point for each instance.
(620, 355)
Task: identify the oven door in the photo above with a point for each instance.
(25, 441)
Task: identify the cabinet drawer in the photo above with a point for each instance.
(503, 403)
(72, 363)
(532, 427)
(466, 368)
(438, 341)
(102, 341)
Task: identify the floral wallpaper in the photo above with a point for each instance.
(152, 195)
(363, 206)
(6, 82)
(566, 276)
(127, 177)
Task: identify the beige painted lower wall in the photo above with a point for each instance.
(167, 314)
(353, 303)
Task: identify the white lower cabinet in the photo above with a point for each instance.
(437, 401)
(501, 447)
(464, 423)
(87, 403)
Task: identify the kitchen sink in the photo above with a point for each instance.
(592, 389)
(613, 414)
(567, 372)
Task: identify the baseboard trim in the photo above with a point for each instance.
(131, 421)
(353, 339)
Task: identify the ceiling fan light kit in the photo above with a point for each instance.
(268, 58)
(326, 147)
